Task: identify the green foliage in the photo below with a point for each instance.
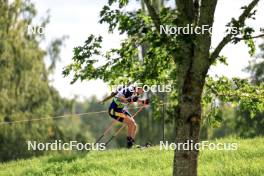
(25, 91)
(121, 3)
(246, 126)
(222, 60)
(256, 67)
(236, 91)
(149, 161)
(124, 64)
(238, 121)
(251, 45)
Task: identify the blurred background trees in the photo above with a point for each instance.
(25, 90)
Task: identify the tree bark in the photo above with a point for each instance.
(188, 117)
(189, 112)
(188, 127)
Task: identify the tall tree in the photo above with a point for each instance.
(182, 60)
(25, 90)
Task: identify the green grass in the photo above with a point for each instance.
(248, 160)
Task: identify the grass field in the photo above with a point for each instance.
(248, 160)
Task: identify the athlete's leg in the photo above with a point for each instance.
(124, 116)
(133, 135)
(132, 126)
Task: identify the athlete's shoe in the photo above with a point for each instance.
(130, 142)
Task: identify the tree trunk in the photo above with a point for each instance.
(188, 130)
(195, 68)
(188, 115)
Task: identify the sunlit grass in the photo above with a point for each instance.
(247, 160)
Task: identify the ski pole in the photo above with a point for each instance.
(106, 131)
(123, 126)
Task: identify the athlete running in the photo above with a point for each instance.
(118, 109)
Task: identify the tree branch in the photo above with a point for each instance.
(157, 22)
(153, 14)
(228, 38)
(196, 7)
(252, 37)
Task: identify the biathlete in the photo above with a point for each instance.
(118, 109)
